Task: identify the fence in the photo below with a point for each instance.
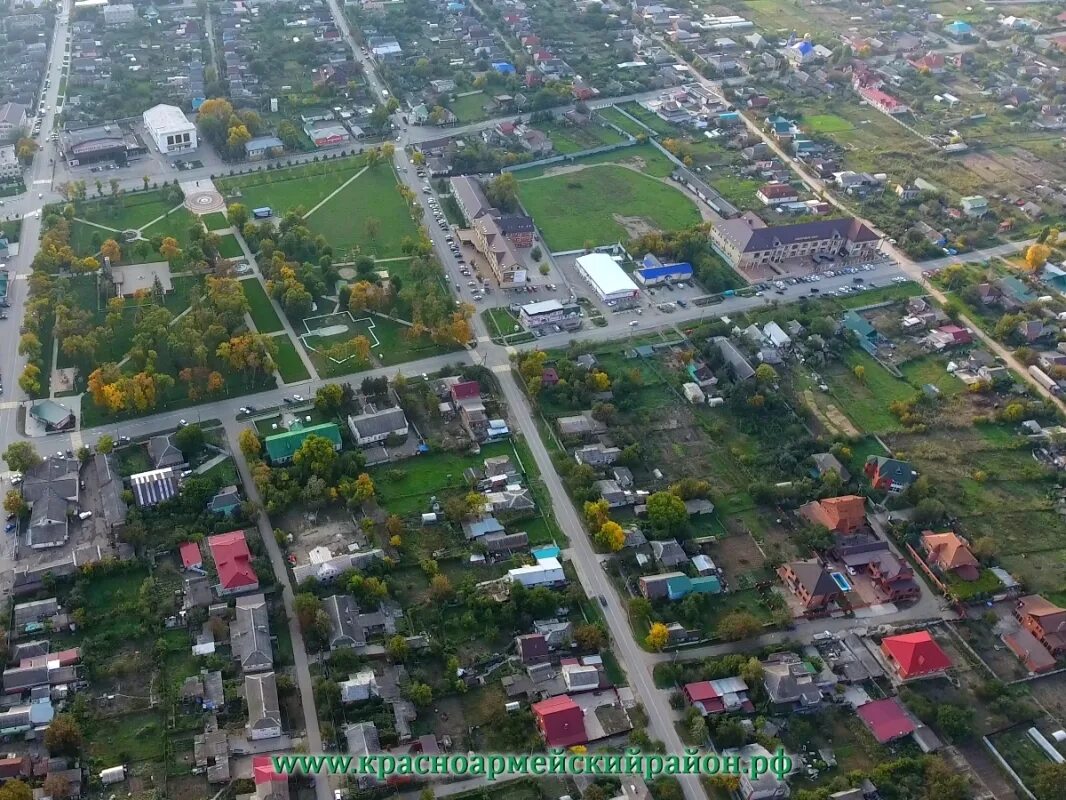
(606, 148)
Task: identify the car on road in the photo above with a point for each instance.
(899, 279)
(815, 290)
(16, 478)
(287, 401)
(299, 398)
(10, 527)
(182, 423)
(603, 601)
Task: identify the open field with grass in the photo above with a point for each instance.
(470, 108)
(826, 123)
(572, 139)
(429, 474)
(133, 210)
(261, 309)
(284, 189)
(369, 213)
(641, 156)
(214, 222)
(604, 204)
(229, 247)
(392, 346)
(613, 115)
(865, 401)
(653, 121)
(290, 365)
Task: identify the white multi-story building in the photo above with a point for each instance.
(10, 169)
(170, 129)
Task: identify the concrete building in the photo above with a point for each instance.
(377, 426)
(10, 168)
(119, 14)
(170, 129)
(12, 120)
(747, 241)
(264, 710)
(606, 277)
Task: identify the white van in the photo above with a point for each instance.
(84, 515)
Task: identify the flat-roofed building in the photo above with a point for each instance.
(606, 277)
(170, 129)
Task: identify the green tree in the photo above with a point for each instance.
(658, 637)
(329, 398)
(22, 456)
(316, 455)
(765, 373)
(237, 215)
(420, 694)
(190, 440)
(13, 502)
(738, 625)
(105, 444)
(250, 445)
(666, 511)
(63, 737)
(1048, 781)
(396, 648)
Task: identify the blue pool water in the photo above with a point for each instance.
(841, 581)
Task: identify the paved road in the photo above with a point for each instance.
(323, 789)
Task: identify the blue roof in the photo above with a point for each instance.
(547, 551)
(504, 67)
(678, 586)
(958, 26)
(651, 273)
(708, 584)
(803, 47)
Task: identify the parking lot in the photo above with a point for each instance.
(858, 281)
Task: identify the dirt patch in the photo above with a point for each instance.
(737, 556)
(635, 226)
(831, 418)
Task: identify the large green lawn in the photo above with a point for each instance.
(284, 189)
(290, 365)
(469, 108)
(577, 207)
(214, 222)
(262, 310)
(826, 123)
(572, 139)
(393, 348)
(642, 156)
(134, 210)
(866, 402)
(613, 115)
(229, 247)
(348, 220)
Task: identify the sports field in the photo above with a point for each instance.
(283, 189)
(603, 204)
(368, 213)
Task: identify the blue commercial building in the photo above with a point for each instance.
(653, 271)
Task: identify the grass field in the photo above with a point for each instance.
(826, 123)
(866, 402)
(372, 196)
(612, 114)
(642, 156)
(738, 191)
(469, 108)
(285, 189)
(290, 365)
(229, 247)
(572, 139)
(573, 208)
(393, 347)
(135, 210)
(214, 222)
(653, 121)
(262, 310)
(427, 475)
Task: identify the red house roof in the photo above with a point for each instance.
(466, 390)
(886, 719)
(561, 721)
(775, 190)
(191, 555)
(915, 654)
(233, 560)
(264, 772)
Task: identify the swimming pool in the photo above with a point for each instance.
(841, 581)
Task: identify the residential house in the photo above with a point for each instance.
(668, 552)
(164, 453)
(377, 426)
(843, 515)
(811, 584)
(951, 554)
(914, 655)
(889, 474)
(560, 721)
(467, 401)
(556, 632)
(582, 425)
(1045, 620)
(264, 710)
(824, 463)
(597, 455)
(772, 194)
(250, 634)
(233, 563)
(790, 681)
(155, 486)
(359, 687)
(51, 489)
(226, 501)
(719, 696)
(974, 206)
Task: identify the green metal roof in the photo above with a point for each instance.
(708, 584)
(282, 446)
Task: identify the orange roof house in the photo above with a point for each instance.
(950, 552)
(1045, 620)
(914, 655)
(845, 514)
